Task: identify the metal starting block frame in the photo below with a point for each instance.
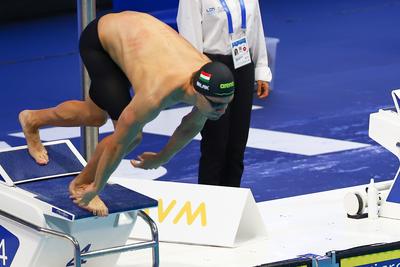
(37, 217)
(79, 257)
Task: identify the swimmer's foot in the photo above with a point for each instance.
(81, 192)
(35, 146)
(97, 207)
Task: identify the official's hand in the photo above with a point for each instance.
(262, 89)
(148, 160)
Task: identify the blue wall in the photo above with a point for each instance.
(165, 10)
(144, 6)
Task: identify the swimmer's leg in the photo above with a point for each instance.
(69, 113)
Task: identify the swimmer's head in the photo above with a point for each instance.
(214, 79)
(215, 87)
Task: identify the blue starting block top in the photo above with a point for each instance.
(55, 192)
(19, 167)
(49, 183)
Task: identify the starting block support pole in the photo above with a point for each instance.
(90, 135)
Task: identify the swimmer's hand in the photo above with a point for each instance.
(148, 160)
(84, 194)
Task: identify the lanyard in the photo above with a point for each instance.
(228, 14)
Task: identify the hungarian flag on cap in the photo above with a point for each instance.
(205, 77)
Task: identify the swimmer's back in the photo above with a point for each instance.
(133, 35)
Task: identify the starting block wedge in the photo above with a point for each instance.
(39, 222)
(384, 128)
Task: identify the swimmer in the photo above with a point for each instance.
(120, 51)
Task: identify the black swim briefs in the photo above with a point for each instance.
(109, 88)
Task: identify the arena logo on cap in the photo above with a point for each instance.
(205, 77)
(226, 85)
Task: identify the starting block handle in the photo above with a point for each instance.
(101, 252)
(154, 237)
(75, 243)
(136, 246)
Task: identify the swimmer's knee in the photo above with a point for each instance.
(99, 119)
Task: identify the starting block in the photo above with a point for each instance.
(384, 128)
(41, 226)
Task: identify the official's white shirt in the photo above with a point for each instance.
(204, 24)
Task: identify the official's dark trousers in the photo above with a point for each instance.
(224, 141)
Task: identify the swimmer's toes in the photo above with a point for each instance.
(41, 158)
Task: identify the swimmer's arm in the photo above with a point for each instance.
(115, 147)
(190, 126)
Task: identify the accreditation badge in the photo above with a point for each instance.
(240, 52)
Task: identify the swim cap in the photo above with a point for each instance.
(214, 79)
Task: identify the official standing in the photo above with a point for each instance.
(229, 31)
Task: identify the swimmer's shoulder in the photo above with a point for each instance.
(126, 16)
